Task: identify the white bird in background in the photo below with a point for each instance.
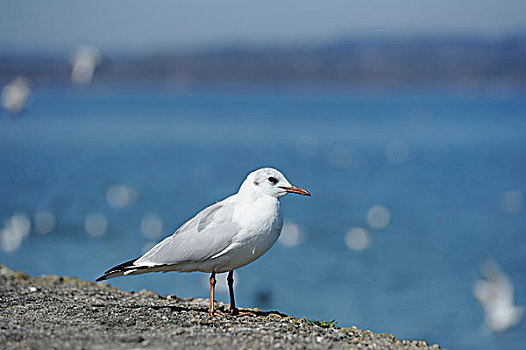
(222, 237)
(495, 295)
(15, 95)
(83, 63)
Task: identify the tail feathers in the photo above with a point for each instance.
(120, 270)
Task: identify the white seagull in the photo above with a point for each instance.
(495, 295)
(222, 237)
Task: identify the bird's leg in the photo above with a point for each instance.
(233, 309)
(230, 280)
(211, 310)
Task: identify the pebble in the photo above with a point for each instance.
(69, 313)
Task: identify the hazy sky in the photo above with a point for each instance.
(143, 25)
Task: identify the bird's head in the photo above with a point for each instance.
(271, 182)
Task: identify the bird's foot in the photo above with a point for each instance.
(236, 312)
(215, 313)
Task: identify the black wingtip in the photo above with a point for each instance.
(101, 278)
(121, 267)
(118, 268)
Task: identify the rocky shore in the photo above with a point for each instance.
(53, 312)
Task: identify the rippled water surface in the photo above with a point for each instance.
(412, 189)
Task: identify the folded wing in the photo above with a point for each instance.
(204, 236)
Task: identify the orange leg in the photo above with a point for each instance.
(233, 309)
(211, 310)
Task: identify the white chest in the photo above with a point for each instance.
(257, 217)
(260, 223)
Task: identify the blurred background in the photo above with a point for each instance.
(406, 120)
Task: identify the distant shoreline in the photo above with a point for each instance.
(467, 61)
(62, 312)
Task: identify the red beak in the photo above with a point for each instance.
(298, 190)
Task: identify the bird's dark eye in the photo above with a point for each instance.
(273, 180)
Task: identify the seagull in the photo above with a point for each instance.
(222, 237)
(495, 295)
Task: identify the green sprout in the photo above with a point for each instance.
(322, 324)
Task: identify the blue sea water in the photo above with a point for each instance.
(457, 155)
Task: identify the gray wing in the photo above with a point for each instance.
(207, 234)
